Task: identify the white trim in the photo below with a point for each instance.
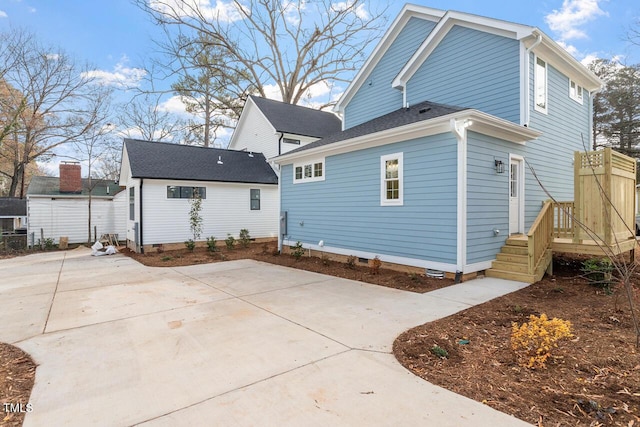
(312, 163)
(383, 188)
(451, 18)
(537, 107)
(577, 98)
(459, 129)
(407, 12)
(521, 187)
(524, 85)
(450, 268)
(481, 122)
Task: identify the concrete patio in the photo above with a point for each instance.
(234, 343)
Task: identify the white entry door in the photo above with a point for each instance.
(516, 188)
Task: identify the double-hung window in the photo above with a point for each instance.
(308, 171)
(540, 92)
(255, 199)
(391, 182)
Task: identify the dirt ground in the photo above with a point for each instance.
(17, 372)
(594, 380)
(267, 252)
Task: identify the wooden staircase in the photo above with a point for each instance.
(512, 263)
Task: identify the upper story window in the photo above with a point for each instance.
(308, 171)
(291, 141)
(255, 199)
(575, 91)
(540, 93)
(183, 192)
(391, 180)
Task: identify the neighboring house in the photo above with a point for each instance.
(13, 214)
(273, 127)
(443, 126)
(59, 206)
(239, 190)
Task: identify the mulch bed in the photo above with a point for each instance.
(17, 373)
(594, 380)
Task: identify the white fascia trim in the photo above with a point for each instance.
(481, 122)
(478, 266)
(562, 61)
(451, 18)
(413, 262)
(407, 12)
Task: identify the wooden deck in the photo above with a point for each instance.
(586, 247)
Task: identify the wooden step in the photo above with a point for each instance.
(518, 258)
(515, 250)
(510, 267)
(509, 275)
(517, 241)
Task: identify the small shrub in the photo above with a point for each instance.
(211, 244)
(351, 262)
(230, 241)
(190, 244)
(245, 238)
(598, 272)
(534, 341)
(48, 243)
(414, 277)
(297, 251)
(374, 265)
(439, 352)
(166, 258)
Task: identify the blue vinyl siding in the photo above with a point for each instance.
(344, 210)
(473, 69)
(551, 155)
(487, 195)
(376, 97)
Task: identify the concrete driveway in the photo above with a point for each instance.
(235, 343)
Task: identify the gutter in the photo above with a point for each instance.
(140, 228)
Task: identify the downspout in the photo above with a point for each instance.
(140, 228)
(280, 143)
(592, 135)
(528, 89)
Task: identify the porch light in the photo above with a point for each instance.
(499, 166)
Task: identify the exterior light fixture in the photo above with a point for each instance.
(499, 166)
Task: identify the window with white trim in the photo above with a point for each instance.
(540, 92)
(575, 91)
(308, 171)
(391, 180)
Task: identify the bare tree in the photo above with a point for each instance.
(143, 118)
(54, 97)
(293, 46)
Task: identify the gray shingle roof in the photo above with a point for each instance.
(50, 186)
(160, 160)
(403, 116)
(289, 118)
(12, 206)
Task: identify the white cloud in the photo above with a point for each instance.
(220, 10)
(122, 77)
(573, 15)
(3, 14)
(174, 105)
(359, 10)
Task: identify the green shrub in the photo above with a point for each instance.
(230, 241)
(297, 251)
(245, 238)
(439, 352)
(211, 244)
(598, 272)
(190, 244)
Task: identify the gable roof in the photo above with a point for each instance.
(13, 207)
(161, 160)
(425, 118)
(298, 120)
(50, 186)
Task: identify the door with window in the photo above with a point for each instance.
(516, 196)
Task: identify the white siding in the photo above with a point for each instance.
(68, 217)
(226, 209)
(255, 133)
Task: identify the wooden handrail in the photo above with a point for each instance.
(563, 220)
(540, 236)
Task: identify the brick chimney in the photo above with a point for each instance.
(70, 179)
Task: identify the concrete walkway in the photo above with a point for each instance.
(236, 343)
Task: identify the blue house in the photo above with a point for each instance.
(447, 129)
